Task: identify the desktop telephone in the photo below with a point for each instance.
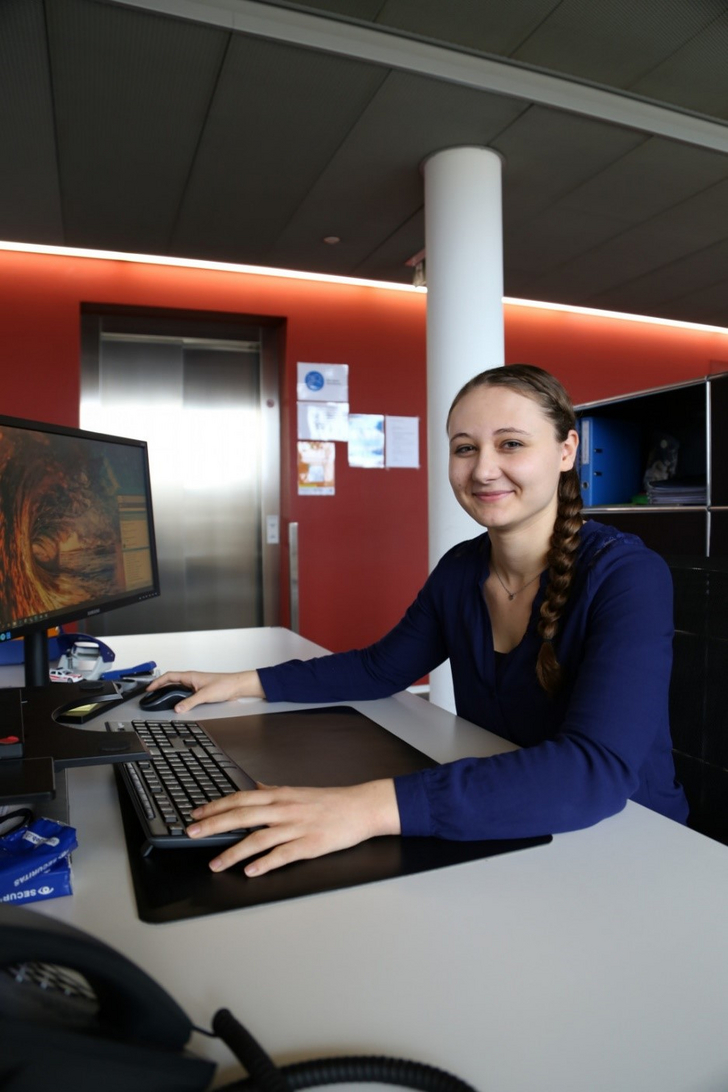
(76, 1014)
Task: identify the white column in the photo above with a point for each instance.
(464, 270)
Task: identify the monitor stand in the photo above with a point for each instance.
(57, 808)
(45, 734)
(31, 770)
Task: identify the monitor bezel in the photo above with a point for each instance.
(75, 614)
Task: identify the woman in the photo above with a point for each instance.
(559, 634)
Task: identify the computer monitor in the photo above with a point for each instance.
(76, 531)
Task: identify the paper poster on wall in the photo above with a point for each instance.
(323, 420)
(366, 439)
(316, 466)
(402, 441)
(322, 382)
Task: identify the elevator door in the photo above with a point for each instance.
(197, 404)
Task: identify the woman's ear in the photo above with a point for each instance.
(569, 449)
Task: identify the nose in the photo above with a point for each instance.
(486, 468)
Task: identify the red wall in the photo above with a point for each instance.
(598, 356)
(363, 552)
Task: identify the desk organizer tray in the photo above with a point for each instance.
(333, 745)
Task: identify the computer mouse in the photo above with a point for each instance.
(164, 698)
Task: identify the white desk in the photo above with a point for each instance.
(598, 963)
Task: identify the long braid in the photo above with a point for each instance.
(549, 393)
(561, 559)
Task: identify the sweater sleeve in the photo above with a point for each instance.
(591, 766)
(413, 648)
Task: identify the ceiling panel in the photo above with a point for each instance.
(486, 27)
(548, 154)
(613, 43)
(30, 204)
(696, 222)
(707, 304)
(672, 284)
(555, 236)
(671, 50)
(649, 179)
(385, 262)
(278, 117)
(373, 184)
(620, 260)
(132, 92)
(695, 75)
(128, 129)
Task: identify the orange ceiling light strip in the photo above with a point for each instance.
(623, 316)
(327, 278)
(195, 263)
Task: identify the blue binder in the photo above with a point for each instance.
(609, 461)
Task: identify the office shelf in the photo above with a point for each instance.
(699, 689)
(695, 413)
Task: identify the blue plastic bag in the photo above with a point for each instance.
(50, 884)
(28, 857)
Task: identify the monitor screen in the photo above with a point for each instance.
(76, 526)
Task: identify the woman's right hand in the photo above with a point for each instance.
(210, 686)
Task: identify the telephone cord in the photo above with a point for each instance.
(266, 1076)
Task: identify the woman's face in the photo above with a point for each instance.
(505, 459)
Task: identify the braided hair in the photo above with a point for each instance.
(545, 389)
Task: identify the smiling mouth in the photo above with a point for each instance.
(493, 496)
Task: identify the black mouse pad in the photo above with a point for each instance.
(326, 746)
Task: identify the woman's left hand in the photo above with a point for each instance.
(297, 823)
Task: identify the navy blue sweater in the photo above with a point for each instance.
(603, 740)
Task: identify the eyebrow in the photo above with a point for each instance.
(498, 432)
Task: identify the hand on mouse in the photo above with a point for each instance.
(210, 686)
(297, 823)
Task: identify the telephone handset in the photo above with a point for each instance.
(76, 1014)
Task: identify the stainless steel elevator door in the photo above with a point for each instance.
(197, 404)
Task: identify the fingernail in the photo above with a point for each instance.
(193, 830)
(251, 870)
(216, 865)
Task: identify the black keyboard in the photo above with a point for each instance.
(185, 768)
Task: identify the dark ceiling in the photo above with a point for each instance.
(246, 131)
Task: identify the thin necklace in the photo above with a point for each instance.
(509, 593)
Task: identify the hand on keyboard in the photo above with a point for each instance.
(184, 768)
(296, 823)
